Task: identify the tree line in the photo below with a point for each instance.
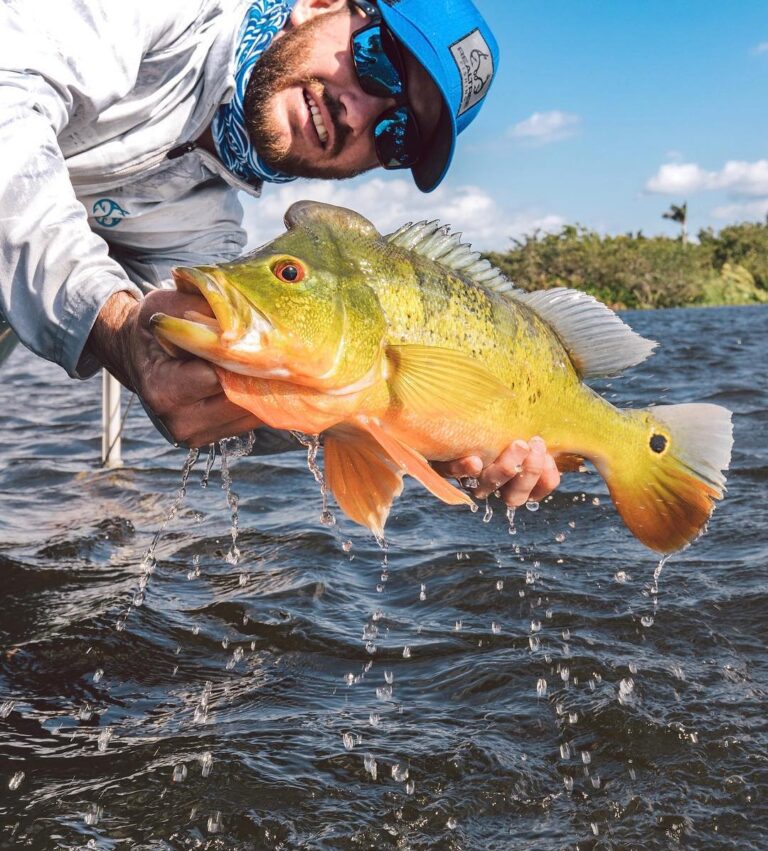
(635, 271)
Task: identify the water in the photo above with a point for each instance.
(222, 713)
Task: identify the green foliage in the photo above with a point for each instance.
(635, 271)
(745, 244)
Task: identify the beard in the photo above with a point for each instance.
(280, 67)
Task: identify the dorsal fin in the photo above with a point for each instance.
(597, 340)
(437, 242)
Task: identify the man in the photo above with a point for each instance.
(126, 129)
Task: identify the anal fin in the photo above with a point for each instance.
(362, 477)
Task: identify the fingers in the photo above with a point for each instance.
(462, 468)
(208, 420)
(548, 481)
(523, 472)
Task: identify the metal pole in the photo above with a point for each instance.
(110, 421)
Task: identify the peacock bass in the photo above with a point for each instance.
(409, 348)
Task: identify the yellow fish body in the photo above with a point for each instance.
(409, 348)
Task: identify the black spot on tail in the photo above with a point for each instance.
(658, 443)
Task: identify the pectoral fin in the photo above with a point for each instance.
(435, 382)
(414, 463)
(363, 479)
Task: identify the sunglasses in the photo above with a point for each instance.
(380, 71)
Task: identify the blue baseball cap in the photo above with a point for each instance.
(454, 44)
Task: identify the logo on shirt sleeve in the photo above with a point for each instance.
(474, 60)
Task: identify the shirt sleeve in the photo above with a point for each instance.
(62, 61)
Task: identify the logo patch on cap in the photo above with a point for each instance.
(474, 60)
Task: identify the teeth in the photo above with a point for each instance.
(317, 118)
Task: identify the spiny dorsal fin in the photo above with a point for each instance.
(598, 341)
(437, 242)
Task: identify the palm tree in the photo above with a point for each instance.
(679, 215)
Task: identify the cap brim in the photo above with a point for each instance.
(438, 150)
(438, 153)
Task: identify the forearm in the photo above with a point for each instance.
(109, 340)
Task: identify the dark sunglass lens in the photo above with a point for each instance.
(397, 139)
(377, 75)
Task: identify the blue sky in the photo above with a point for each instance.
(603, 112)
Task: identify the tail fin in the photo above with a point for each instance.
(666, 491)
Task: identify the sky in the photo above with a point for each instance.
(602, 113)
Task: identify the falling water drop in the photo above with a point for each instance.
(532, 505)
(16, 781)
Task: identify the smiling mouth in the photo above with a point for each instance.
(317, 118)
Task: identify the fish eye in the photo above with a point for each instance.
(658, 443)
(290, 271)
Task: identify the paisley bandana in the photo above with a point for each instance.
(264, 19)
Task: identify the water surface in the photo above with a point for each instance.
(477, 691)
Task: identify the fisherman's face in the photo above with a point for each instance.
(309, 67)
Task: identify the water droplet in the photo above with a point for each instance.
(98, 674)
(532, 505)
(399, 772)
(215, 823)
(384, 692)
(646, 620)
(206, 763)
(560, 537)
(179, 773)
(346, 546)
(499, 584)
(457, 626)
(374, 719)
(451, 824)
(566, 634)
(565, 751)
(541, 687)
(626, 690)
(535, 626)
(586, 757)
(6, 707)
(511, 521)
(530, 577)
(370, 647)
(410, 786)
(595, 500)
(423, 592)
(406, 652)
(495, 628)
(327, 518)
(92, 815)
(470, 482)
(568, 783)
(473, 507)
(488, 512)
(16, 781)
(621, 576)
(389, 677)
(573, 717)
(534, 642)
(103, 739)
(242, 580)
(565, 673)
(595, 828)
(349, 740)
(369, 763)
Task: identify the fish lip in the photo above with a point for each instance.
(234, 314)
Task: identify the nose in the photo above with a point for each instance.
(360, 110)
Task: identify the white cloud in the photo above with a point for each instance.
(761, 48)
(543, 127)
(742, 212)
(737, 177)
(389, 203)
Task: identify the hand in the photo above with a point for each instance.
(522, 472)
(183, 391)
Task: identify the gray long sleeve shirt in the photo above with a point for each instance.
(93, 96)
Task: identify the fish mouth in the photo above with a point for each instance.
(235, 323)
